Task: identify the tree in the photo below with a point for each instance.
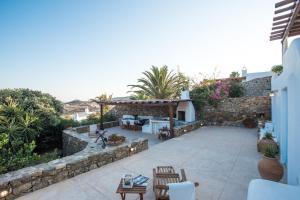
(234, 75)
(139, 95)
(105, 97)
(158, 83)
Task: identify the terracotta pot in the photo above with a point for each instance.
(270, 169)
(264, 143)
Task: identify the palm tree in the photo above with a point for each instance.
(158, 83)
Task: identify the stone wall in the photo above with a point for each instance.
(233, 111)
(72, 144)
(257, 87)
(181, 130)
(86, 128)
(157, 111)
(23, 181)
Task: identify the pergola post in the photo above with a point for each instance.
(171, 116)
(101, 117)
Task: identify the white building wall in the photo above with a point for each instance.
(286, 111)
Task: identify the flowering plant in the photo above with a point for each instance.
(221, 92)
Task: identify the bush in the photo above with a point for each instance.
(29, 124)
(95, 119)
(45, 107)
(18, 131)
(200, 95)
(277, 69)
(236, 90)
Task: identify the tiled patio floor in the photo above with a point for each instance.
(222, 159)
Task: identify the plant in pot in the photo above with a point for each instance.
(269, 167)
(266, 141)
(249, 123)
(114, 140)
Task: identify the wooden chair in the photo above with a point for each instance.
(163, 175)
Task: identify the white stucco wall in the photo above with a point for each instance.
(286, 111)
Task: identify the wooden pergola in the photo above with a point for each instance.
(145, 103)
(286, 22)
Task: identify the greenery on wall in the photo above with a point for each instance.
(212, 92)
(236, 90)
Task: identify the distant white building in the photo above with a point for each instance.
(82, 115)
(251, 76)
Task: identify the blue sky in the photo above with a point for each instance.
(78, 49)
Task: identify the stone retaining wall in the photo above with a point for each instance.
(157, 111)
(257, 87)
(23, 181)
(86, 128)
(181, 130)
(232, 111)
(72, 144)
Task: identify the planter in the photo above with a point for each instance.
(249, 123)
(264, 142)
(115, 140)
(270, 169)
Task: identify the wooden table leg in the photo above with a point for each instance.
(141, 196)
(123, 196)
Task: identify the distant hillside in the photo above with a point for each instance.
(76, 106)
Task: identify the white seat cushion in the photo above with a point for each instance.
(182, 191)
(268, 190)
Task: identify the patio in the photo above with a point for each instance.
(222, 159)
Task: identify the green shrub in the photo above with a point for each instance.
(277, 69)
(95, 119)
(29, 124)
(236, 90)
(200, 95)
(18, 131)
(45, 107)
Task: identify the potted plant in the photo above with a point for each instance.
(277, 69)
(266, 141)
(269, 167)
(249, 123)
(115, 140)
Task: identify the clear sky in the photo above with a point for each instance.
(78, 49)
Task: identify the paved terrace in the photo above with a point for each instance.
(222, 159)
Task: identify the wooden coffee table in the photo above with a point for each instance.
(141, 190)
